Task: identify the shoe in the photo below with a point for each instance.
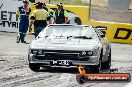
(23, 41)
(18, 39)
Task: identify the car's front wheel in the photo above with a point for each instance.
(96, 68)
(34, 67)
(107, 64)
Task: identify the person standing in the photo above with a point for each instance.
(50, 11)
(23, 14)
(39, 18)
(60, 15)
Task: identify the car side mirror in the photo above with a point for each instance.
(46, 36)
(103, 35)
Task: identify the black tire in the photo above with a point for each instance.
(34, 67)
(81, 79)
(96, 68)
(107, 64)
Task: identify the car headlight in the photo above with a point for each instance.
(34, 51)
(40, 52)
(37, 52)
(89, 53)
(86, 53)
(83, 53)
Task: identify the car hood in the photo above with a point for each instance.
(65, 44)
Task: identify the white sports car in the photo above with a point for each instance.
(66, 45)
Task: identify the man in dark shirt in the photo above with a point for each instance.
(60, 15)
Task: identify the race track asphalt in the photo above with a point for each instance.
(14, 70)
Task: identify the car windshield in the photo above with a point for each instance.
(76, 32)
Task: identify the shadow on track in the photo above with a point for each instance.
(59, 70)
(71, 70)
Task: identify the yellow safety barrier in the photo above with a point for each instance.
(81, 11)
(77, 14)
(116, 32)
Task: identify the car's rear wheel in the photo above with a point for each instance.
(34, 67)
(107, 64)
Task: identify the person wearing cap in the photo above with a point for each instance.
(60, 15)
(23, 14)
(50, 11)
(39, 18)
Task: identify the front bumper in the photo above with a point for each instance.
(90, 61)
